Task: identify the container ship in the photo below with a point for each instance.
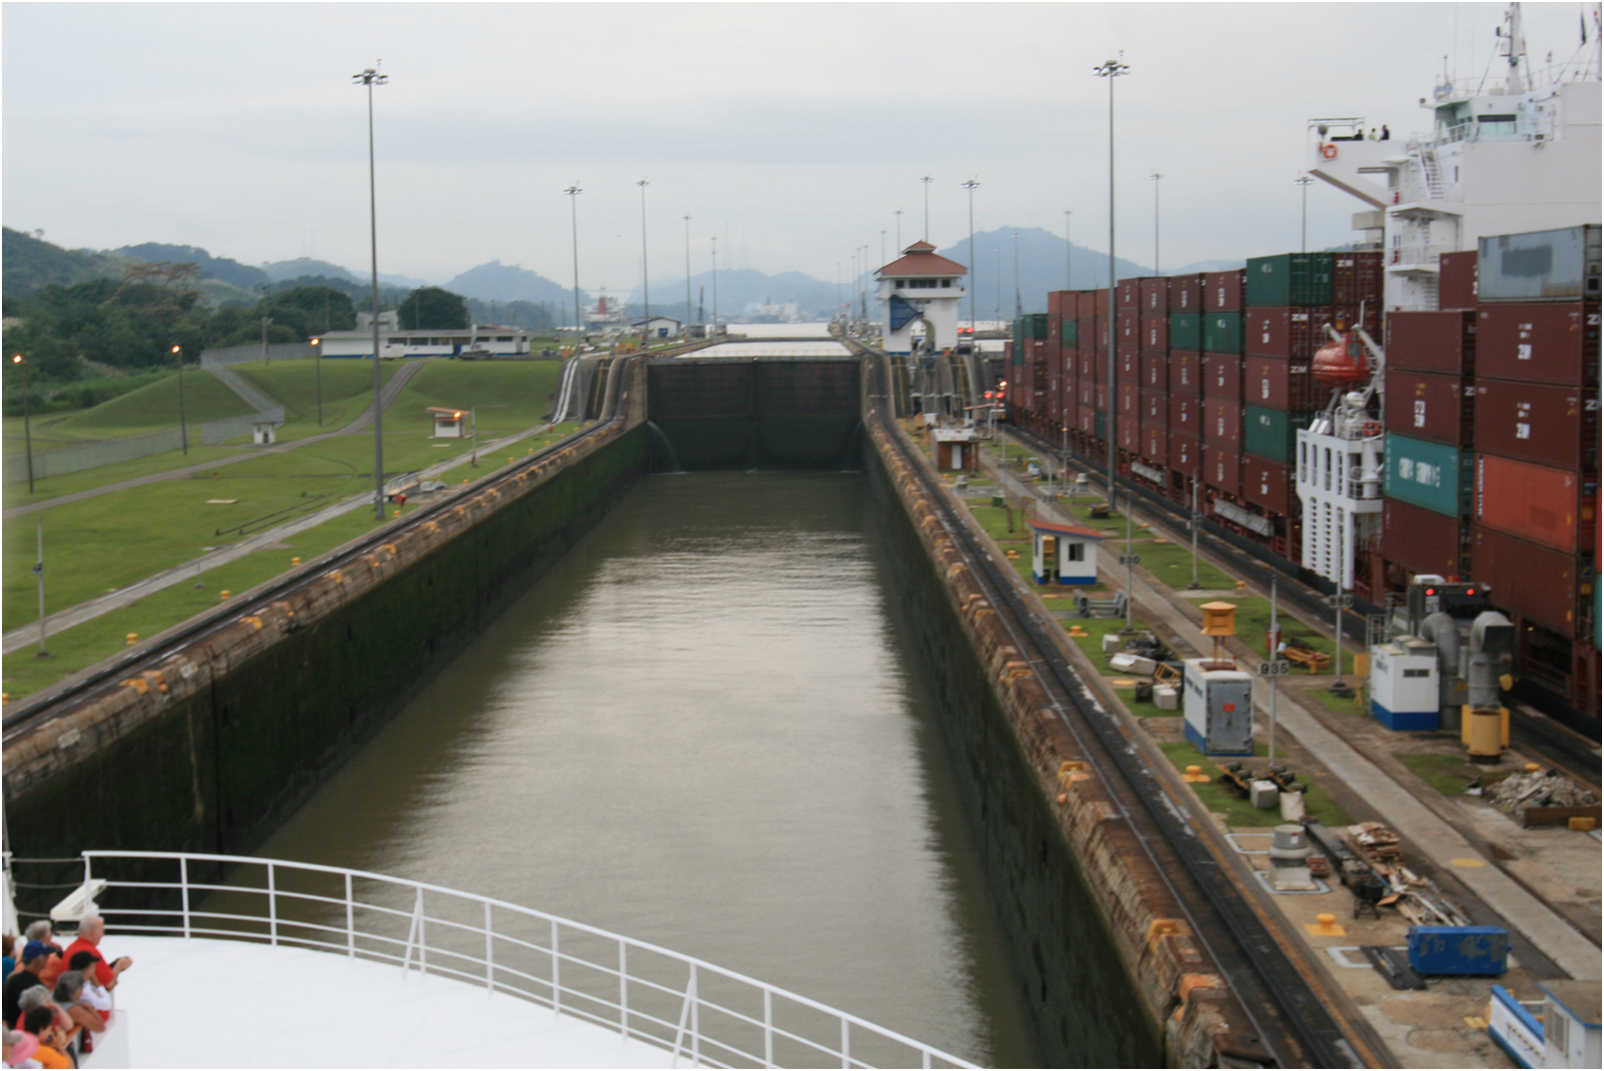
(1424, 403)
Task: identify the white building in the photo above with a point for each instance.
(921, 284)
(657, 327)
(495, 339)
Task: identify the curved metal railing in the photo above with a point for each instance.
(696, 1010)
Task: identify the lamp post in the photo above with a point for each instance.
(898, 214)
(687, 218)
(368, 77)
(27, 428)
(1019, 302)
(1069, 255)
(927, 180)
(317, 366)
(645, 282)
(715, 284)
(1111, 69)
(1155, 176)
(573, 193)
(1304, 180)
(971, 185)
(183, 425)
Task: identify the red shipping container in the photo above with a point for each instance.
(1184, 414)
(1129, 293)
(1535, 582)
(1129, 331)
(1222, 290)
(1155, 334)
(1128, 367)
(1086, 392)
(1100, 302)
(1184, 451)
(1186, 373)
(1222, 423)
(1264, 382)
(1432, 342)
(1549, 506)
(1100, 393)
(1546, 343)
(1129, 397)
(1129, 434)
(1092, 366)
(1539, 422)
(1266, 484)
(1155, 296)
(1085, 305)
(1222, 467)
(1155, 446)
(1186, 293)
(1155, 409)
(1456, 280)
(1422, 540)
(1222, 376)
(1086, 421)
(1284, 333)
(1156, 370)
(1057, 302)
(1430, 407)
(1356, 277)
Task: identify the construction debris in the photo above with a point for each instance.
(1544, 788)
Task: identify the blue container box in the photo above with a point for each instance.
(1458, 949)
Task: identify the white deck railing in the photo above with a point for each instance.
(708, 1015)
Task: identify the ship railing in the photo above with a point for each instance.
(696, 1010)
(1418, 253)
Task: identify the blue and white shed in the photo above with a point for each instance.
(1561, 1030)
(1066, 553)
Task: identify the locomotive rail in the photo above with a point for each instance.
(1294, 1022)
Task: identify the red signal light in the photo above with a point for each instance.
(1470, 591)
(1431, 591)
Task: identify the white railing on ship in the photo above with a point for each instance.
(687, 1008)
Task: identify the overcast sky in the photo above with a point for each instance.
(792, 131)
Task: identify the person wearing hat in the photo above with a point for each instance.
(35, 955)
(20, 1048)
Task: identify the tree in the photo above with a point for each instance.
(431, 307)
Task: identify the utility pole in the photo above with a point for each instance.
(1304, 180)
(971, 185)
(645, 278)
(927, 180)
(265, 321)
(1274, 657)
(27, 425)
(573, 193)
(39, 574)
(369, 77)
(899, 229)
(715, 284)
(1019, 303)
(1155, 176)
(183, 424)
(1197, 522)
(687, 268)
(1111, 69)
(1069, 254)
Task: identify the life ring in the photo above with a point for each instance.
(1329, 151)
(1370, 429)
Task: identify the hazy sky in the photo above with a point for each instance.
(792, 131)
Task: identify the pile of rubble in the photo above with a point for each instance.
(1414, 896)
(1541, 788)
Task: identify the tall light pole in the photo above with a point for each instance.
(715, 284)
(183, 424)
(27, 427)
(1019, 302)
(927, 180)
(368, 77)
(1111, 69)
(317, 367)
(1304, 180)
(645, 282)
(971, 185)
(1069, 254)
(687, 267)
(882, 245)
(899, 230)
(1155, 176)
(573, 193)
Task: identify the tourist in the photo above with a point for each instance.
(52, 1050)
(90, 930)
(94, 994)
(40, 930)
(19, 1049)
(10, 964)
(25, 977)
(39, 997)
(69, 997)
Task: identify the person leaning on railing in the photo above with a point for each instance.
(94, 994)
(69, 997)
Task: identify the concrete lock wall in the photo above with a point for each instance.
(209, 749)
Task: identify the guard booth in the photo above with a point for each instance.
(1063, 553)
(447, 422)
(263, 433)
(956, 449)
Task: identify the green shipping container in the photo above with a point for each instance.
(1271, 433)
(1429, 475)
(1222, 332)
(1036, 325)
(1186, 330)
(1070, 332)
(1289, 279)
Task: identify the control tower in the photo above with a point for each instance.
(920, 286)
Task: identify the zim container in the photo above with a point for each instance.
(1155, 333)
(1222, 290)
(1222, 376)
(1538, 583)
(1186, 372)
(1185, 293)
(1155, 410)
(1356, 277)
(1556, 265)
(1456, 280)
(1154, 296)
(1156, 370)
(1545, 343)
(1129, 398)
(1266, 484)
(1129, 293)
(1222, 467)
(1549, 506)
(1222, 332)
(1422, 541)
(1128, 432)
(1278, 384)
(1289, 279)
(1184, 414)
(1539, 422)
(1270, 433)
(1128, 367)
(1155, 445)
(1186, 330)
(1222, 423)
(1184, 451)
(1432, 341)
(1431, 407)
(1128, 331)
(1288, 333)
(1430, 475)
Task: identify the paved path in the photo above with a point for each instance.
(402, 377)
(1552, 934)
(28, 634)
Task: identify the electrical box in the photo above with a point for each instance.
(1218, 704)
(1404, 682)
(1458, 949)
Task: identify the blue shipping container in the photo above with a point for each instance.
(1458, 949)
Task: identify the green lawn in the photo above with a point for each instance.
(155, 406)
(1002, 523)
(1253, 624)
(1239, 812)
(347, 391)
(1171, 563)
(1449, 774)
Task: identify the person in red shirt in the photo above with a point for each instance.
(90, 930)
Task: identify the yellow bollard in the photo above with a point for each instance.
(1325, 925)
(295, 561)
(222, 595)
(1195, 775)
(131, 639)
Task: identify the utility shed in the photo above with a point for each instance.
(1403, 684)
(956, 449)
(1065, 553)
(1561, 1030)
(447, 422)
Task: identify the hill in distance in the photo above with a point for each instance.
(30, 262)
(495, 281)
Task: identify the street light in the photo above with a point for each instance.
(1019, 302)
(715, 284)
(1111, 69)
(645, 281)
(898, 214)
(687, 272)
(368, 77)
(927, 180)
(1069, 254)
(971, 185)
(1155, 177)
(573, 193)
(1304, 180)
(183, 425)
(27, 429)
(317, 365)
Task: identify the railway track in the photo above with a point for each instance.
(1575, 755)
(1294, 1022)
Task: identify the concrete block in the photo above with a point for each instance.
(1264, 794)
(1166, 697)
(1134, 664)
(1111, 642)
(1291, 806)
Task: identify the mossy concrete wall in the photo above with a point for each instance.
(211, 747)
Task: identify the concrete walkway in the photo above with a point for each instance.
(28, 634)
(1553, 935)
(388, 395)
